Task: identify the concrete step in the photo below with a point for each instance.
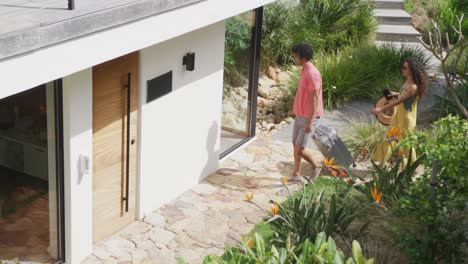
(389, 4)
(392, 17)
(401, 33)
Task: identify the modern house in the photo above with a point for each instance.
(109, 109)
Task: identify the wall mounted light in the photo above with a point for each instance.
(189, 61)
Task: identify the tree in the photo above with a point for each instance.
(439, 45)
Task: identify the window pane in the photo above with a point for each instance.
(237, 60)
(28, 211)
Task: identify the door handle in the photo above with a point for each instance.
(127, 158)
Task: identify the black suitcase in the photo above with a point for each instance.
(330, 144)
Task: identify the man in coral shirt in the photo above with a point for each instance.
(308, 108)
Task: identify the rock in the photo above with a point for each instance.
(257, 150)
(161, 237)
(271, 73)
(266, 82)
(139, 256)
(155, 219)
(283, 78)
(101, 252)
(119, 247)
(161, 256)
(228, 107)
(204, 188)
(207, 230)
(268, 92)
(289, 120)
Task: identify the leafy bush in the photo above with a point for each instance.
(237, 49)
(364, 136)
(434, 212)
(389, 182)
(327, 25)
(307, 216)
(447, 17)
(448, 106)
(363, 72)
(323, 251)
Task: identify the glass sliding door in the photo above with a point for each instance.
(30, 189)
(241, 66)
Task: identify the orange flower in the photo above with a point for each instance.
(284, 180)
(334, 172)
(330, 163)
(363, 152)
(342, 174)
(248, 241)
(376, 194)
(274, 210)
(400, 152)
(249, 197)
(394, 134)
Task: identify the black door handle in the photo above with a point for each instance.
(127, 160)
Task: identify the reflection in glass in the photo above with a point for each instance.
(28, 201)
(237, 63)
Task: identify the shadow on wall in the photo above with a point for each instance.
(213, 153)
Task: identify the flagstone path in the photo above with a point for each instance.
(209, 216)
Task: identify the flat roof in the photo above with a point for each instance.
(27, 25)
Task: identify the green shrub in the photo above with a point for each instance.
(237, 50)
(327, 25)
(446, 17)
(391, 181)
(362, 72)
(323, 251)
(437, 210)
(448, 106)
(364, 136)
(307, 216)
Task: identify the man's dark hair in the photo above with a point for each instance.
(303, 51)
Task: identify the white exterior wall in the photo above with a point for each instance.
(78, 136)
(180, 132)
(179, 140)
(69, 57)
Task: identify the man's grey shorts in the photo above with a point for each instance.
(300, 137)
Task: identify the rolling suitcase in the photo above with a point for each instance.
(330, 144)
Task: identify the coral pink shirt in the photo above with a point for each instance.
(310, 81)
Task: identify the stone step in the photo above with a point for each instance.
(402, 33)
(392, 17)
(389, 4)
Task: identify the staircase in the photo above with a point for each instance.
(394, 23)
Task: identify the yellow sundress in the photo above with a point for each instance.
(405, 120)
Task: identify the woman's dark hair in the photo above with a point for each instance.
(419, 75)
(303, 51)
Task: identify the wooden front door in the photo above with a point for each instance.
(114, 150)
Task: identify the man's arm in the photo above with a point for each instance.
(314, 100)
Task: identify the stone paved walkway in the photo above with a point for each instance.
(211, 215)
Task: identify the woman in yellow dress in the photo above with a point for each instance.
(406, 107)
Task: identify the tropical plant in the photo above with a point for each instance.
(440, 45)
(389, 183)
(325, 24)
(306, 216)
(364, 136)
(447, 106)
(323, 251)
(434, 209)
(362, 72)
